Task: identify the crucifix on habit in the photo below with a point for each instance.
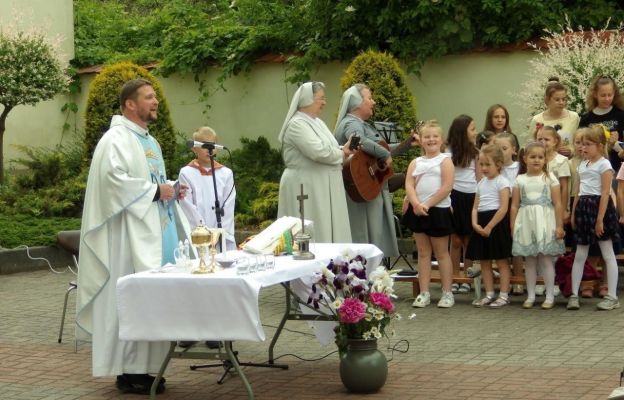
(302, 239)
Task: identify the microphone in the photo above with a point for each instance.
(204, 145)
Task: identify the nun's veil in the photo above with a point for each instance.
(351, 99)
(303, 97)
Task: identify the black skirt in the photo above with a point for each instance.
(585, 220)
(462, 210)
(497, 246)
(438, 223)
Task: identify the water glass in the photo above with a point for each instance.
(269, 260)
(260, 262)
(253, 266)
(242, 266)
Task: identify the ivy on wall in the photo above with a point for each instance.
(193, 35)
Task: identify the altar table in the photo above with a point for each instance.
(170, 304)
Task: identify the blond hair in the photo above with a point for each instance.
(205, 134)
(596, 134)
(495, 153)
(552, 131)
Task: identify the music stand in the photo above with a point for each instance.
(219, 212)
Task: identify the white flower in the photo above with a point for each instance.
(575, 58)
(375, 332)
(337, 303)
(349, 9)
(381, 281)
(398, 316)
(412, 316)
(366, 335)
(327, 273)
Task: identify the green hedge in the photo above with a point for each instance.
(27, 230)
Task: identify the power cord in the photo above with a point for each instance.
(392, 349)
(44, 259)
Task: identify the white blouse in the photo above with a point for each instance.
(428, 174)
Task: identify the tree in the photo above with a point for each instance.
(30, 71)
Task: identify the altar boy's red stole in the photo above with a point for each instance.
(204, 171)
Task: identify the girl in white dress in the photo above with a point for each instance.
(537, 223)
(428, 186)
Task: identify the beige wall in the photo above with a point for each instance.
(255, 104)
(42, 124)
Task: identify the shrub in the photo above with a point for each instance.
(103, 103)
(52, 185)
(257, 170)
(575, 57)
(16, 230)
(383, 75)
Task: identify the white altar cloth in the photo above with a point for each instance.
(177, 305)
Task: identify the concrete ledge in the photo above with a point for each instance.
(13, 261)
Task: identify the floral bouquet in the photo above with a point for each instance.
(362, 305)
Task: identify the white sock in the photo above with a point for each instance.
(548, 271)
(530, 275)
(606, 248)
(579, 264)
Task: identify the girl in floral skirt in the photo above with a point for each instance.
(594, 218)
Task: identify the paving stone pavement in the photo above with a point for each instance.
(457, 353)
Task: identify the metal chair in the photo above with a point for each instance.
(70, 242)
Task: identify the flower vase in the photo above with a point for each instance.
(363, 368)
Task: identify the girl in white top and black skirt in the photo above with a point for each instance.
(428, 185)
(594, 218)
(463, 152)
(491, 238)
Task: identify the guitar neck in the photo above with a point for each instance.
(403, 146)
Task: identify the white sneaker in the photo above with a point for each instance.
(447, 300)
(423, 300)
(557, 291)
(539, 290)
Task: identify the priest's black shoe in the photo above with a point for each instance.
(138, 384)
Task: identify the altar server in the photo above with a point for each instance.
(199, 201)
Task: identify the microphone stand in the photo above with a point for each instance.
(227, 365)
(219, 211)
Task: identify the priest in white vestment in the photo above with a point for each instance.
(131, 222)
(199, 201)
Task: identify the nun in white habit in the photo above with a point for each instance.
(313, 158)
(372, 221)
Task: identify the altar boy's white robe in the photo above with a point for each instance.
(198, 205)
(120, 234)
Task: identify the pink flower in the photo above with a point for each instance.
(352, 311)
(382, 300)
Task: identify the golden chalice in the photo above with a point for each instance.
(215, 236)
(200, 237)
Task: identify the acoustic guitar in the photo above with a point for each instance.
(364, 175)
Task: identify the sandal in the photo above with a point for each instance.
(483, 302)
(587, 293)
(499, 302)
(603, 290)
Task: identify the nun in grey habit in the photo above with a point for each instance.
(371, 221)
